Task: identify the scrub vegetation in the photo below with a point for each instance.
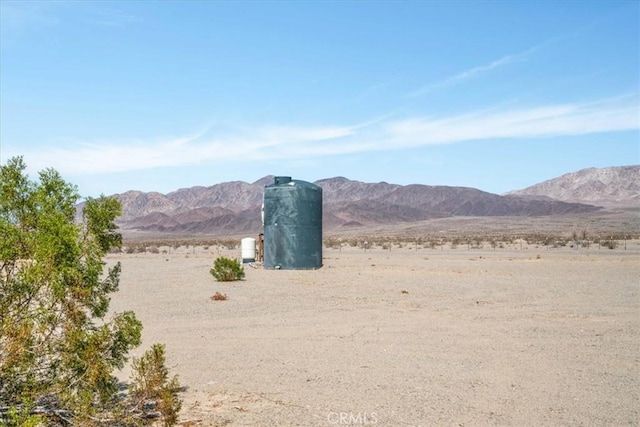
(59, 343)
(227, 270)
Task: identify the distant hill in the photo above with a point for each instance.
(234, 207)
(617, 187)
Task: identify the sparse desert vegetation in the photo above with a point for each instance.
(367, 241)
(386, 298)
(461, 327)
(59, 351)
(593, 230)
(324, 213)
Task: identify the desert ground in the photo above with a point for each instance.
(408, 336)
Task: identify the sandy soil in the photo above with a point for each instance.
(406, 337)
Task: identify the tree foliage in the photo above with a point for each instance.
(59, 346)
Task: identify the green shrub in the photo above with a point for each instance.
(227, 270)
(60, 345)
(153, 395)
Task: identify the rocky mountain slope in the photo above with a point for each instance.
(234, 207)
(611, 187)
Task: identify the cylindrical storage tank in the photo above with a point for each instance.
(292, 225)
(248, 246)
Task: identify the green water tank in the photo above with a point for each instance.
(292, 225)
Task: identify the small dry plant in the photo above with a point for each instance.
(219, 297)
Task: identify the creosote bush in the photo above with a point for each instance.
(59, 343)
(227, 270)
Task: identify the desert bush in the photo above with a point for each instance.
(230, 244)
(332, 243)
(58, 349)
(219, 297)
(455, 242)
(547, 241)
(152, 395)
(227, 270)
(477, 242)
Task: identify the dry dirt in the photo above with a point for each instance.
(406, 337)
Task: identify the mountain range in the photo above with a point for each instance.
(611, 187)
(234, 207)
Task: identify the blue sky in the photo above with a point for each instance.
(161, 95)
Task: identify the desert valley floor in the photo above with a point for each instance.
(507, 336)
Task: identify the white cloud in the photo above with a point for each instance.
(295, 142)
(472, 72)
(200, 148)
(555, 120)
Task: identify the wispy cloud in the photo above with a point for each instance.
(109, 17)
(206, 146)
(473, 72)
(20, 18)
(537, 122)
(294, 142)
